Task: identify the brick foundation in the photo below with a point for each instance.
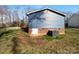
(44, 31)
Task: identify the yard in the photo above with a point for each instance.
(19, 42)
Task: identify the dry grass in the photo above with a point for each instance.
(18, 41)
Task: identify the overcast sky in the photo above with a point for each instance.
(63, 8)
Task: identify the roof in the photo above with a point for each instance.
(54, 11)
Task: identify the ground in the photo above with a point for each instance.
(18, 41)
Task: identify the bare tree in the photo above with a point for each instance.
(3, 11)
(16, 18)
(9, 15)
(12, 16)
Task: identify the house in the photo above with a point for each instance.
(67, 18)
(74, 20)
(46, 21)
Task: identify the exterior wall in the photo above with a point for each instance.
(74, 21)
(46, 19)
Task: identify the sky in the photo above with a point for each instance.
(62, 8)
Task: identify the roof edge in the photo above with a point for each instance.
(55, 11)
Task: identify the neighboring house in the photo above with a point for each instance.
(67, 18)
(45, 21)
(74, 20)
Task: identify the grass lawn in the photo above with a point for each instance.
(18, 41)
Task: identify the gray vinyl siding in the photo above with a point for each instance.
(46, 19)
(74, 21)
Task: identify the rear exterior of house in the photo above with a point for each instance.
(43, 21)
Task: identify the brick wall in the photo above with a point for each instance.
(43, 31)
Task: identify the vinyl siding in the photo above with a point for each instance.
(46, 19)
(74, 21)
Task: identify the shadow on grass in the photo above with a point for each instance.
(15, 45)
(4, 32)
